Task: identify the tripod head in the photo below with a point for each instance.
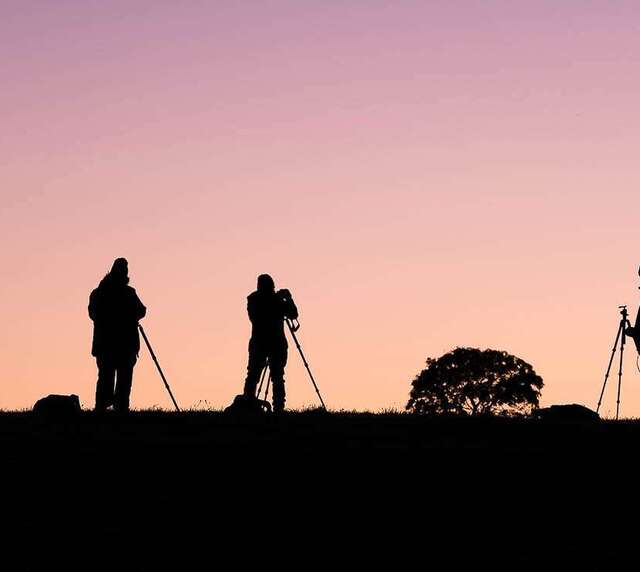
(623, 311)
(625, 326)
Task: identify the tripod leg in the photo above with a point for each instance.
(155, 360)
(304, 361)
(624, 339)
(266, 391)
(262, 376)
(606, 375)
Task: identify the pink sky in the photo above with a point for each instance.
(421, 175)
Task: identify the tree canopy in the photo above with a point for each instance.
(475, 382)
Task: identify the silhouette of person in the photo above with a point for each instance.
(115, 310)
(267, 311)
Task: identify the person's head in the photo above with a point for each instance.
(120, 270)
(266, 284)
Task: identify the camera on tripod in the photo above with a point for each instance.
(284, 295)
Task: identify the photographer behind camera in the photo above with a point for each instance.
(267, 310)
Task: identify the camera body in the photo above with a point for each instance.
(284, 294)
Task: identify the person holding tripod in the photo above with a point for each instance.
(115, 309)
(268, 309)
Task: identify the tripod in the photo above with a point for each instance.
(155, 360)
(294, 326)
(621, 337)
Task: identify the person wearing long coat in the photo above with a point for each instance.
(115, 309)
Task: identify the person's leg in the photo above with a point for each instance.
(257, 361)
(277, 363)
(104, 387)
(123, 383)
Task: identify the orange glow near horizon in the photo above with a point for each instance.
(420, 175)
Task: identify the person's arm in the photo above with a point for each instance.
(93, 306)
(140, 309)
(251, 308)
(291, 309)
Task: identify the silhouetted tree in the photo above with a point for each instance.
(473, 381)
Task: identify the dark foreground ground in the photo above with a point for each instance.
(201, 491)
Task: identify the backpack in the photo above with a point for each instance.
(245, 405)
(58, 406)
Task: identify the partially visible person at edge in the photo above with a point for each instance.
(267, 311)
(115, 310)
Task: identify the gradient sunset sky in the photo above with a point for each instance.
(422, 175)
